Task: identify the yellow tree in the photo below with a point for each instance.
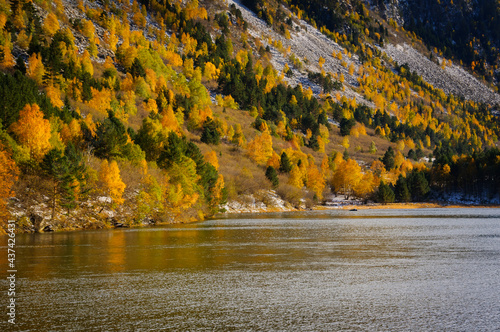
(51, 24)
(238, 137)
(211, 158)
(315, 181)
(211, 72)
(33, 131)
(112, 181)
(169, 120)
(35, 69)
(87, 63)
(346, 177)
(325, 167)
(8, 59)
(321, 62)
(260, 149)
(274, 161)
(217, 194)
(345, 142)
(8, 176)
(71, 132)
(54, 95)
(296, 177)
(101, 100)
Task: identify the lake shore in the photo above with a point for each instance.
(259, 208)
(421, 205)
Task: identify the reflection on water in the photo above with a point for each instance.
(372, 270)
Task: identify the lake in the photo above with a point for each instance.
(366, 270)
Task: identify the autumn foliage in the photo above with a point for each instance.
(109, 175)
(169, 108)
(33, 131)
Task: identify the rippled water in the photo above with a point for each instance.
(371, 270)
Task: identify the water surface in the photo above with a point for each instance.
(369, 270)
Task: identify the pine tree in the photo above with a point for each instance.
(272, 176)
(388, 159)
(418, 185)
(385, 194)
(285, 165)
(67, 172)
(210, 134)
(111, 137)
(402, 194)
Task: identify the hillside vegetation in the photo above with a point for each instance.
(165, 111)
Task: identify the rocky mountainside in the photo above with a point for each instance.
(466, 30)
(307, 42)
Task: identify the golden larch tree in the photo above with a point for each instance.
(217, 194)
(366, 185)
(346, 177)
(33, 131)
(274, 161)
(260, 149)
(54, 95)
(315, 181)
(8, 60)
(112, 181)
(211, 158)
(295, 178)
(35, 69)
(169, 120)
(51, 24)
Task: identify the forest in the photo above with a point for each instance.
(160, 111)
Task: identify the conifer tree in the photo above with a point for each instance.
(210, 134)
(388, 158)
(272, 176)
(285, 165)
(402, 194)
(385, 194)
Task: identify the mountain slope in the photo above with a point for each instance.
(164, 111)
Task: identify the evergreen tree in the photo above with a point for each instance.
(272, 176)
(385, 194)
(346, 155)
(285, 164)
(210, 134)
(346, 126)
(137, 69)
(66, 171)
(418, 186)
(313, 143)
(20, 65)
(110, 138)
(402, 193)
(388, 158)
(412, 155)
